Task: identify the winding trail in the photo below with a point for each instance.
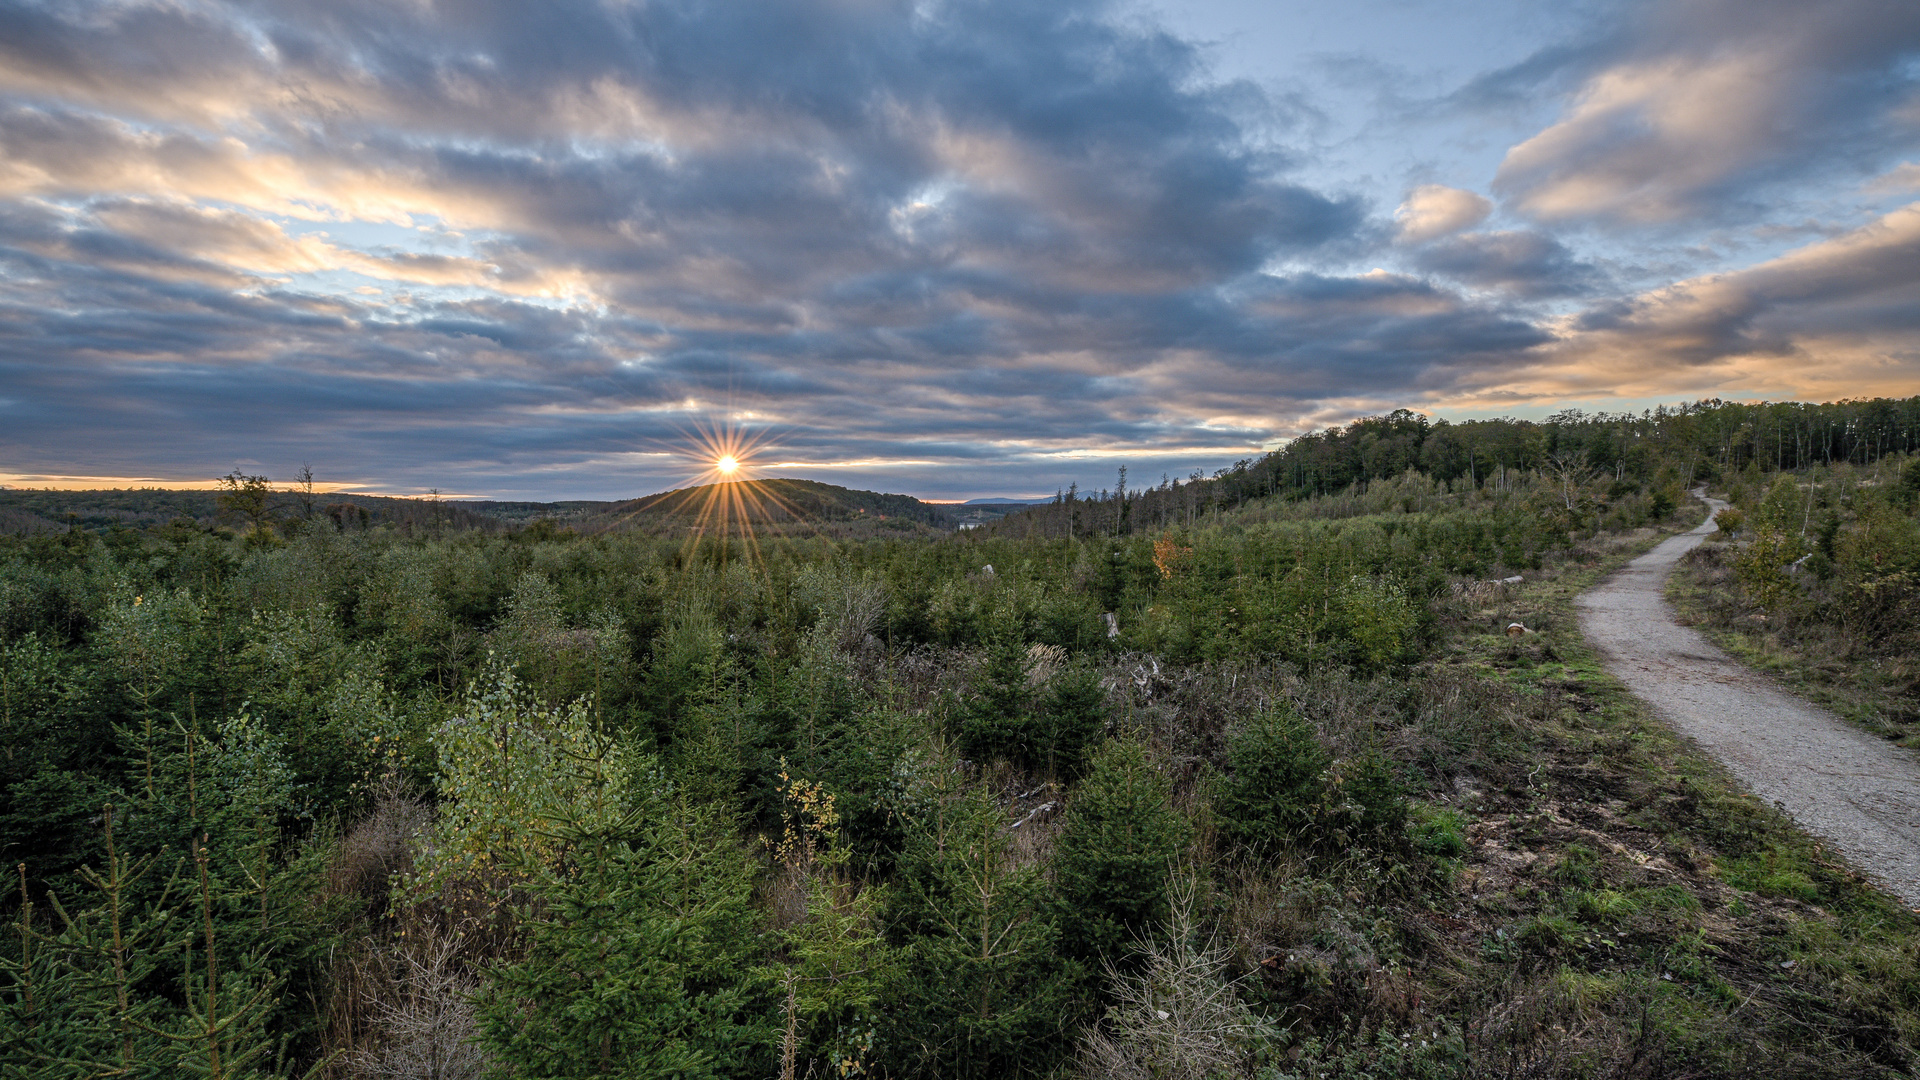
(1857, 792)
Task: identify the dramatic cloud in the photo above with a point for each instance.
(1703, 100)
(1834, 319)
(957, 247)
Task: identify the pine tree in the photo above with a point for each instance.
(1114, 859)
(224, 1030)
(637, 962)
(1073, 717)
(998, 720)
(1273, 793)
(982, 991)
(112, 949)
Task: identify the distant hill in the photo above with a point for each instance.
(26, 511)
(516, 514)
(773, 502)
(977, 512)
(778, 505)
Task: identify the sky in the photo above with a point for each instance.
(954, 249)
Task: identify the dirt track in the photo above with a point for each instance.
(1857, 792)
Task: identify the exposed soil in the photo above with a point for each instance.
(1856, 792)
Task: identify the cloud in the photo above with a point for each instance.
(874, 223)
(1832, 319)
(1903, 177)
(1435, 210)
(1700, 103)
(525, 248)
(1524, 263)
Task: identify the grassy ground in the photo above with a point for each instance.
(1609, 903)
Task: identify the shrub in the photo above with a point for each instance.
(1368, 804)
(1661, 505)
(981, 990)
(509, 769)
(1073, 717)
(1762, 568)
(1381, 622)
(1284, 789)
(1271, 794)
(638, 965)
(997, 720)
(1731, 520)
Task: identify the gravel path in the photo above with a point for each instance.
(1859, 793)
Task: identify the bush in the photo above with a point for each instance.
(1762, 569)
(1271, 794)
(997, 720)
(1368, 804)
(1661, 505)
(981, 990)
(1073, 717)
(638, 964)
(1285, 789)
(1381, 621)
(1731, 521)
(1878, 570)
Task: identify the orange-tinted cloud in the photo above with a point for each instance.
(1701, 103)
(442, 245)
(1833, 319)
(1435, 210)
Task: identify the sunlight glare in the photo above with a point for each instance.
(726, 498)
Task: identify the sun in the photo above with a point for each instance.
(724, 496)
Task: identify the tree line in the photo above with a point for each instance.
(1700, 440)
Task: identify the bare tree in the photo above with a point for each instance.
(1180, 1017)
(1571, 471)
(303, 491)
(248, 498)
(426, 1026)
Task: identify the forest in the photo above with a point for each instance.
(1239, 775)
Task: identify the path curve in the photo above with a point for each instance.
(1857, 792)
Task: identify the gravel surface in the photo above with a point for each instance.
(1855, 791)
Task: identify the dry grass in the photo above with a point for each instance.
(378, 848)
(399, 994)
(417, 998)
(1618, 911)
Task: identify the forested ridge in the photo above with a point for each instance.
(1705, 438)
(1240, 775)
